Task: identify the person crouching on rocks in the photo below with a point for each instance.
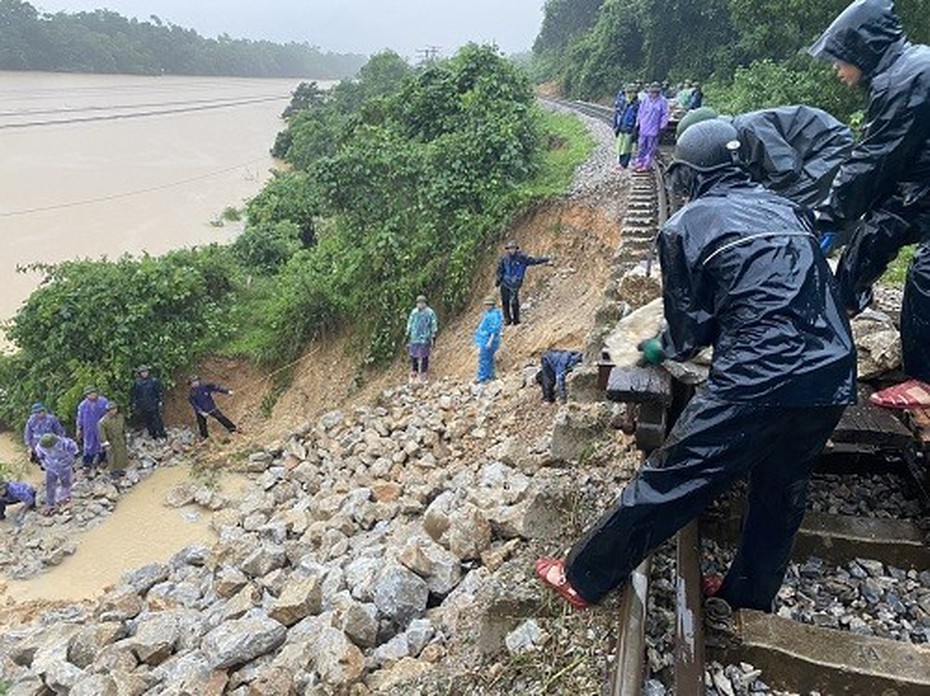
(112, 432)
(488, 339)
(421, 335)
(57, 454)
(13, 493)
(201, 399)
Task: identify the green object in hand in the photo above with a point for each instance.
(652, 351)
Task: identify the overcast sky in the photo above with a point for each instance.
(361, 26)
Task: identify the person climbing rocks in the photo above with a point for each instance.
(742, 272)
(511, 270)
(57, 454)
(625, 127)
(14, 493)
(883, 189)
(39, 423)
(651, 120)
(89, 413)
(554, 368)
(421, 335)
(147, 401)
(201, 399)
(112, 433)
(488, 340)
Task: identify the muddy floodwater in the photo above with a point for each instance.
(95, 165)
(141, 530)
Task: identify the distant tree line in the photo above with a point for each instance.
(750, 51)
(106, 42)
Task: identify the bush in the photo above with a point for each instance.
(265, 248)
(92, 322)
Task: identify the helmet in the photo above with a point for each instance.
(143, 368)
(421, 298)
(37, 407)
(512, 245)
(112, 406)
(48, 440)
(704, 113)
(91, 390)
(707, 146)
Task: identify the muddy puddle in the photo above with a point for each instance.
(140, 531)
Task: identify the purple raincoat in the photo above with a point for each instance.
(89, 414)
(653, 115)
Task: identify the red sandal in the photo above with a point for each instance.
(908, 395)
(559, 583)
(711, 584)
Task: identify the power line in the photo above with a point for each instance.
(127, 194)
(119, 107)
(142, 114)
(428, 55)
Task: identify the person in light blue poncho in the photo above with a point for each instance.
(488, 339)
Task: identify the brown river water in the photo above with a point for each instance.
(94, 165)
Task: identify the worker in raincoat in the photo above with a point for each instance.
(554, 368)
(511, 270)
(488, 340)
(15, 492)
(89, 413)
(625, 127)
(651, 120)
(112, 433)
(57, 455)
(39, 423)
(422, 328)
(794, 151)
(886, 180)
(742, 272)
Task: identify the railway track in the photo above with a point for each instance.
(794, 656)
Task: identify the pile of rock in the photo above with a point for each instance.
(36, 542)
(372, 541)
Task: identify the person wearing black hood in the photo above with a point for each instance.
(742, 272)
(882, 188)
(147, 400)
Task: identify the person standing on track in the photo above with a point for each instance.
(89, 413)
(201, 399)
(651, 120)
(883, 188)
(147, 400)
(40, 422)
(625, 127)
(511, 270)
(421, 335)
(742, 272)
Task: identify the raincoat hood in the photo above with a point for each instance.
(861, 35)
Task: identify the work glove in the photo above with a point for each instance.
(652, 353)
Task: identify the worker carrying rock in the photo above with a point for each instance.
(883, 188)
(742, 272)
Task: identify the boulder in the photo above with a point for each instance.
(878, 344)
(338, 661)
(360, 623)
(400, 594)
(143, 579)
(242, 640)
(301, 597)
(156, 638)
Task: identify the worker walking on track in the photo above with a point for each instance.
(651, 120)
(883, 188)
(742, 272)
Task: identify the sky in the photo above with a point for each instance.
(356, 26)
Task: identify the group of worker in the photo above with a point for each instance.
(100, 428)
(744, 271)
(422, 328)
(640, 116)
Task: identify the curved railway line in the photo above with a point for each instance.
(793, 656)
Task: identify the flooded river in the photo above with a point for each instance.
(95, 165)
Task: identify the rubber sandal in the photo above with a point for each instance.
(543, 568)
(908, 395)
(710, 584)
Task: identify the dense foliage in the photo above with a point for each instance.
(419, 173)
(748, 51)
(106, 42)
(92, 322)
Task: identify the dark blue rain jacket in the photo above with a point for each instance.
(561, 363)
(743, 272)
(512, 269)
(619, 108)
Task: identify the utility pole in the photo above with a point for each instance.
(429, 55)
